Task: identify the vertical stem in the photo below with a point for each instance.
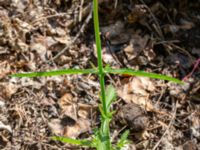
(104, 129)
(99, 54)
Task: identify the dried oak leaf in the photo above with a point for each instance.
(68, 105)
(81, 126)
(68, 127)
(137, 91)
(72, 109)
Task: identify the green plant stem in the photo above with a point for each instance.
(104, 129)
(99, 54)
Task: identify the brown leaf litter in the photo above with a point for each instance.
(154, 36)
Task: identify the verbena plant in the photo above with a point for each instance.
(101, 139)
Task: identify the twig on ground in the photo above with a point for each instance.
(168, 127)
(158, 29)
(181, 50)
(81, 11)
(75, 38)
(49, 16)
(116, 2)
(196, 64)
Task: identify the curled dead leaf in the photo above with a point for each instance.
(81, 126)
(69, 128)
(137, 91)
(72, 109)
(68, 106)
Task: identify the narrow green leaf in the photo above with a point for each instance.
(55, 73)
(104, 134)
(87, 143)
(110, 96)
(123, 140)
(100, 145)
(101, 111)
(141, 73)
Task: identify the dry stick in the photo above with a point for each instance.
(159, 31)
(108, 43)
(49, 16)
(80, 12)
(193, 70)
(116, 2)
(75, 38)
(182, 49)
(168, 127)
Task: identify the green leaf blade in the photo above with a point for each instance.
(87, 143)
(123, 140)
(55, 73)
(110, 96)
(143, 74)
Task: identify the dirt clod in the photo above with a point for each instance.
(133, 116)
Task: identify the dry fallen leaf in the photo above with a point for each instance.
(113, 30)
(68, 106)
(75, 117)
(136, 46)
(195, 126)
(26, 82)
(55, 126)
(84, 110)
(5, 127)
(81, 126)
(137, 91)
(22, 46)
(63, 40)
(4, 69)
(137, 14)
(20, 5)
(40, 49)
(149, 53)
(7, 90)
(69, 128)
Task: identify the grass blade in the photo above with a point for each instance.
(110, 95)
(87, 143)
(55, 73)
(142, 73)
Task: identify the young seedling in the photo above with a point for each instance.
(101, 139)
